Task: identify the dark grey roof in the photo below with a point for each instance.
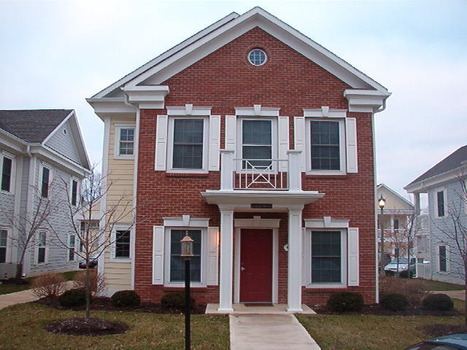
(32, 125)
(451, 162)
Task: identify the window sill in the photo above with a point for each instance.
(120, 260)
(173, 288)
(187, 174)
(325, 286)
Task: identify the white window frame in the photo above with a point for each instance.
(113, 238)
(118, 128)
(46, 247)
(51, 174)
(274, 140)
(7, 248)
(344, 258)
(342, 147)
(77, 197)
(204, 253)
(70, 246)
(170, 145)
(445, 204)
(438, 256)
(4, 155)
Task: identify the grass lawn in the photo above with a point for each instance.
(354, 332)
(442, 286)
(22, 327)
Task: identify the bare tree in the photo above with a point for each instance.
(27, 225)
(92, 222)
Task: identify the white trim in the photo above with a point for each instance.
(3, 155)
(188, 110)
(257, 222)
(214, 144)
(185, 221)
(342, 148)
(257, 111)
(326, 222)
(435, 202)
(170, 145)
(118, 129)
(448, 258)
(121, 227)
(325, 112)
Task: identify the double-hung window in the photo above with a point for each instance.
(71, 247)
(45, 182)
(257, 144)
(122, 244)
(41, 248)
(440, 201)
(326, 257)
(188, 143)
(177, 264)
(442, 258)
(3, 245)
(74, 192)
(6, 172)
(326, 150)
(124, 141)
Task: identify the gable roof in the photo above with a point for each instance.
(32, 126)
(394, 193)
(452, 162)
(147, 78)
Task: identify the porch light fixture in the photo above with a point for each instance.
(186, 244)
(381, 204)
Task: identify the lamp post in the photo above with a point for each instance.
(381, 204)
(187, 252)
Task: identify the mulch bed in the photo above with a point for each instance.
(96, 326)
(87, 326)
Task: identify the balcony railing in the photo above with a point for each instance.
(260, 174)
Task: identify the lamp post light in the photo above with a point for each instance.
(187, 252)
(381, 204)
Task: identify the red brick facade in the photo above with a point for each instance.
(224, 80)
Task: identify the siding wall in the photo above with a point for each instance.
(62, 141)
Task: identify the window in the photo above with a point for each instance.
(396, 224)
(257, 57)
(7, 169)
(71, 247)
(326, 257)
(440, 204)
(257, 143)
(45, 180)
(41, 249)
(325, 145)
(188, 140)
(122, 244)
(3, 245)
(127, 141)
(74, 192)
(442, 256)
(177, 262)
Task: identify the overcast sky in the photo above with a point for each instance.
(54, 54)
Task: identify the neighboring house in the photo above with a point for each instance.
(258, 143)
(42, 160)
(445, 185)
(396, 222)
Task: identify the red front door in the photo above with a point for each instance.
(256, 266)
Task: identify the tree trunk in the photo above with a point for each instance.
(87, 288)
(465, 293)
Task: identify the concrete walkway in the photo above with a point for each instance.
(271, 332)
(454, 294)
(24, 296)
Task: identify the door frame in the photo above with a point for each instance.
(243, 224)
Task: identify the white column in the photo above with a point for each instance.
(294, 290)
(226, 261)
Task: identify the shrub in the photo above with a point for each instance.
(414, 289)
(49, 285)
(73, 298)
(405, 274)
(438, 302)
(394, 302)
(124, 298)
(98, 283)
(345, 302)
(175, 301)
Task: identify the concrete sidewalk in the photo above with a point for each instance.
(271, 332)
(455, 294)
(24, 296)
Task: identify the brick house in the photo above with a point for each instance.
(258, 143)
